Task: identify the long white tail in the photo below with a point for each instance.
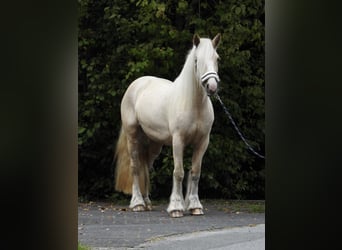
(123, 172)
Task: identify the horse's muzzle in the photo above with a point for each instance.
(210, 82)
(211, 86)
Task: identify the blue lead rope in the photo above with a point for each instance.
(236, 128)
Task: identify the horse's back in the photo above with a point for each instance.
(144, 83)
(150, 89)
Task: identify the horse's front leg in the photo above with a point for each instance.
(176, 205)
(192, 201)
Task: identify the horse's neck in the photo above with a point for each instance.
(188, 92)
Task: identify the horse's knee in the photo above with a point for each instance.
(195, 173)
(178, 174)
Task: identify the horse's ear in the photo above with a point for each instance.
(196, 40)
(216, 40)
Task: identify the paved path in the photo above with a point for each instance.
(104, 226)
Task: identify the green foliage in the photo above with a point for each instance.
(82, 247)
(120, 41)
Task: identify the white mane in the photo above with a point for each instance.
(188, 84)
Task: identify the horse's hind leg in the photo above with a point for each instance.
(153, 152)
(137, 202)
(192, 201)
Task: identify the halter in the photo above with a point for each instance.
(210, 74)
(206, 76)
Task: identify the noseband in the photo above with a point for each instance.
(210, 74)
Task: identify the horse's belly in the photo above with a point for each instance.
(151, 110)
(160, 135)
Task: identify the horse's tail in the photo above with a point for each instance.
(123, 172)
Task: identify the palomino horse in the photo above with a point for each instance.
(157, 112)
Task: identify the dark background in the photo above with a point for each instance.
(119, 41)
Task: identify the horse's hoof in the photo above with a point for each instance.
(197, 211)
(138, 208)
(149, 207)
(176, 214)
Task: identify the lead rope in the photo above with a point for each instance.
(236, 128)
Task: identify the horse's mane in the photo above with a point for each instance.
(206, 50)
(189, 83)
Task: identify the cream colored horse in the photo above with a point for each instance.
(157, 112)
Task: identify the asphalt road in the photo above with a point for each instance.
(106, 226)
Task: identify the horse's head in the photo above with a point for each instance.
(206, 62)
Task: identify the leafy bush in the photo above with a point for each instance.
(120, 41)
